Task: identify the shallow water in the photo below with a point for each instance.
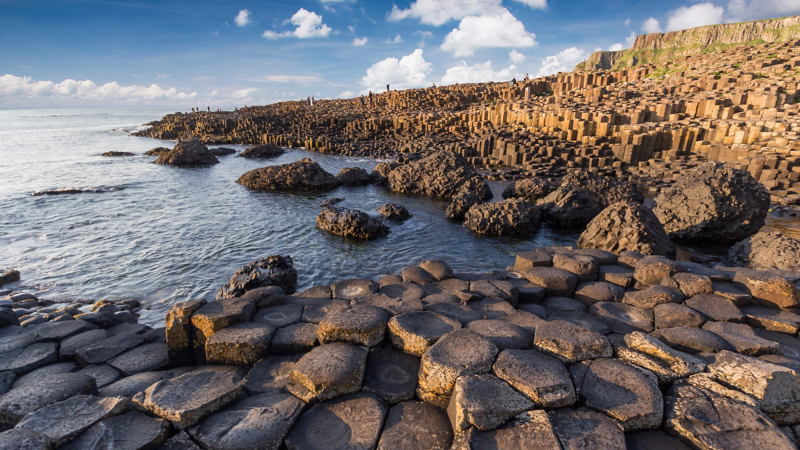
(164, 234)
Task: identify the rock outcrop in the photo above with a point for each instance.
(118, 154)
(531, 189)
(569, 206)
(766, 251)
(506, 218)
(394, 211)
(275, 270)
(354, 176)
(187, 153)
(222, 151)
(713, 203)
(605, 191)
(441, 174)
(627, 226)
(303, 175)
(351, 223)
(262, 152)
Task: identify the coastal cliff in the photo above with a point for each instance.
(658, 47)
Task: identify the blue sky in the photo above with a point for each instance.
(222, 54)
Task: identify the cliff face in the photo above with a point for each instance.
(657, 47)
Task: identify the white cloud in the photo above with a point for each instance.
(244, 93)
(213, 93)
(308, 23)
(536, 4)
(563, 61)
(396, 40)
(630, 40)
(360, 42)
(347, 94)
(741, 10)
(243, 18)
(26, 87)
(286, 79)
(408, 72)
(478, 73)
(162, 76)
(422, 36)
(695, 16)
(351, 28)
(616, 47)
(516, 57)
(487, 31)
(439, 12)
(628, 22)
(202, 78)
(651, 25)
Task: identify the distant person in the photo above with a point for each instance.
(209, 108)
(526, 76)
(192, 109)
(387, 88)
(312, 101)
(514, 81)
(370, 98)
(434, 85)
(308, 100)
(362, 100)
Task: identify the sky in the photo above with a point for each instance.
(197, 53)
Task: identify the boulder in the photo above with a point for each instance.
(351, 223)
(713, 202)
(328, 371)
(506, 218)
(8, 276)
(438, 269)
(440, 174)
(351, 422)
(416, 425)
(543, 379)
(353, 176)
(627, 226)
(605, 190)
(130, 431)
(380, 174)
(394, 211)
(766, 251)
(485, 402)
(569, 206)
(275, 270)
(188, 153)
(531, 189)
(303, 175)
(262, 152)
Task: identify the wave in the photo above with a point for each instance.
(78, 190)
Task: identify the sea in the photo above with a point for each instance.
(79, 226)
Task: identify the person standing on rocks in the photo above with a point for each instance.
(370, 98)
(387, 88)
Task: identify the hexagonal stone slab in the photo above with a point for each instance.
(491, 308)
(179, 337)
(30, 358)
(673, 315)
(621, 391)
(329, 371)
(63, 421)
(617, 275)
(652, 296)
(416, 425)
(485, 402)
(54, 388)
(130, 431)
(353, 289)
(19, 439)
(528, 430)
(543, 379)
(352, 422)
(392, 305)
(716, 308)
(557, 282)
(623, 318)
(52, 369)
(524, 319)
(360, 325)
(261, 421)
(391, 375)
(571, 343)
(72, 344)
(458, 353)
(102, 351)
(742, 338)
(502, 333)
(598, 291)
(279, 315)
(582, 429)
(403, 290)
(242, 344)
(414, 332)
(583, 266)
(58, 331)
(132, 385)
(189, 398)
(691, 340)
(143, 358)
(438, 269)
(772, 319)
(216, 315)
(315, 313)
(295, 338)
(103, 374)
(270, 374)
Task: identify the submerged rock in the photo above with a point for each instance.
(627, 226)
(765, 251)
(303, 175)
(158, 151)
(8, 276)
(275, 270)
(117, 154)
(713, 202)
(262, 152)
(351, 223)
(506, 218)
(188, 153)
(222, 151)
(394, 211)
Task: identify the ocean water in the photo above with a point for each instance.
(164, 234)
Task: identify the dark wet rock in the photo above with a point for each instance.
(485, 402)
(103, 319)
(461, 203)
(351, 223)
(569, 206)
(440, 174)
(391, 375)
(70, 345)
(303, 175)
(582, 429)
(360, 325)
(501, 333)
(146, 357)
(354, 176)
(63, 421)
(767, 251)
(117, 154)
(416, 425)
(222, 151)
(394, 211)
(130, 431)
(188, 153)
(295, 338)
(621, 391)
(180, 348)
(571, 343)
(158, 151)
(19, 439)
(270, 374)
(352, 422)
(713, 202)
(506, 218)
(189, 398)
(261, 421)
(605, 190)
(47, 390)
(102, 351)
(8, 318)
(623, 318)
(331, 202)
(531, 189)
(417, 275)
(414, 332)
(274, 270)
(627, 226)
(458, 353)
(543, 379)
(329, 371)
(262, 152)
